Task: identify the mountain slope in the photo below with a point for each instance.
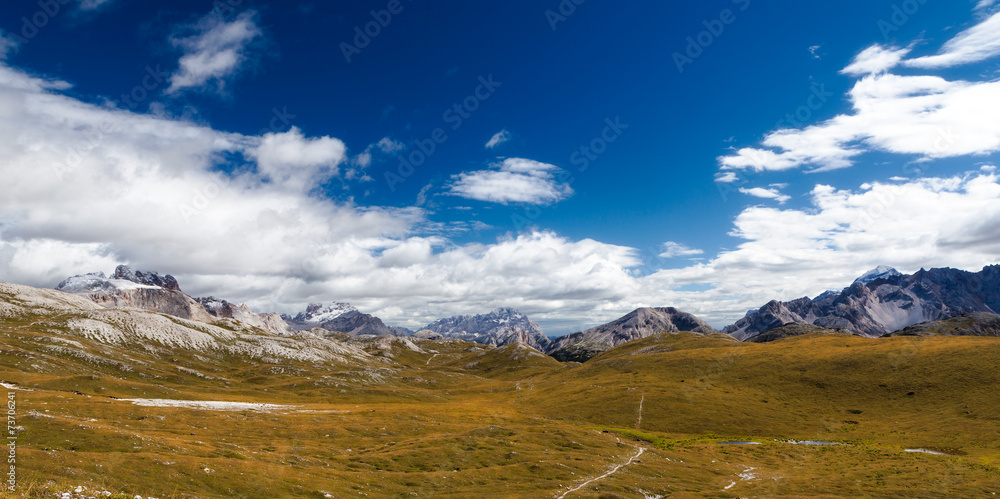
(883, 301)
(502, 326)
(65, 324)
(975, 324)
(639, 323)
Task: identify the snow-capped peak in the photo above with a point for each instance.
(880, 272)
(97, 281)
(317, 313)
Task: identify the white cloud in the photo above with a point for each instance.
(7, 45)
(760, 192)
(94, 4)
(364, 160)
(983, 4)
(295, 161)
(213, 52)
(975, 44)
(813, 51)
(498, 138)
(389, 146)
(876, 59)
(726, 177)
(86, 188)
(673, 249)
(926, 116)
(516, 180)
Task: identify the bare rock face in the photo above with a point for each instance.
(148, 278)
(640, 323)
(224, 309)
(883, 301)
(137, 290)
(503, 326)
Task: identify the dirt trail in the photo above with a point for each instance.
(610, 472)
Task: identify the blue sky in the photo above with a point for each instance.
(710, 156)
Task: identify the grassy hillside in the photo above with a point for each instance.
(454, 419)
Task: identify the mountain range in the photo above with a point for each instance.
(502, 326)
(881, 302)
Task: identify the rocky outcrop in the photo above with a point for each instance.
(640, 323)
(224, 309)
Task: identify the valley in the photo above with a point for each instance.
(463, 420)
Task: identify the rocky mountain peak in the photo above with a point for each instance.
(317, 313)
(502, 326)
(639, 323)
(880, 272)
(125, 273)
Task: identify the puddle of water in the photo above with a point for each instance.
(926, 451)
(734, 442)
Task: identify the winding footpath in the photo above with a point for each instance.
(610, 472)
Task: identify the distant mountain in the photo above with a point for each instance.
(502, 326)
(640, 323)
(883, 301)
(343, 318)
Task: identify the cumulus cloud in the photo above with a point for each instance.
(876, 59)
(293, 160)
(498, 138)
(515, 180)
(927, 116)
(214, 51)
(975, 44)
(673, 249)
(86, 188)
(763, 193)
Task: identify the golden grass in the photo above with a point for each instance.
(454, 423)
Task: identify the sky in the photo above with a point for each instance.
(573, 159)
